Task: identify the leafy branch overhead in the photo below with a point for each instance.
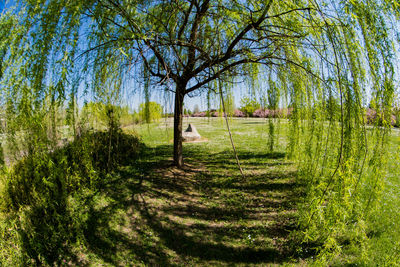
(195, 43)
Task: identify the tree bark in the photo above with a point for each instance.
(179, 95)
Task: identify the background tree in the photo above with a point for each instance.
(96, 114)
(153, 114)
(196, 109)
(248, 106)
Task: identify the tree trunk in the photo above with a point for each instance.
(179, 95)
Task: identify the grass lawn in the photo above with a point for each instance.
(206, 214)
(149, 213)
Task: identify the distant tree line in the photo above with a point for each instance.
(251, 107)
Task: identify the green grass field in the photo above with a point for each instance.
(149, 213)
(207, 214)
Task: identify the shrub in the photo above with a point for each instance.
(393, 120)
(396, 114)
(271, 113)
(286, 112)
(261, 113)
(1, 157)
(372, 117)
(248, 106)
(238, 113)
(214, 114)
(44, 194)
(397, 121)
(200, 114)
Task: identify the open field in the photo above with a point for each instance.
(207, 215)
(150, 213)
(203, 215)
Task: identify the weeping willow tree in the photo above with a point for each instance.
(316, 52)
(179, 45)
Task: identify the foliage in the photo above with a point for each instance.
(238, 113)
(333, 105)
(97, 114)
(45, 196)
(322, 57)
(150, 112)
(248, 106)
(229, 102)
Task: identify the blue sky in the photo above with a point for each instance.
(5, 4)
(134, 99)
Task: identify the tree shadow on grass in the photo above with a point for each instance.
(175, 236)
(154, 214)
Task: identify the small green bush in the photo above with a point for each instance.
(248, 106)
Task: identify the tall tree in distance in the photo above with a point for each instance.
(196, 109)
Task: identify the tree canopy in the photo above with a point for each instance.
(150, 111)
(182, 46)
